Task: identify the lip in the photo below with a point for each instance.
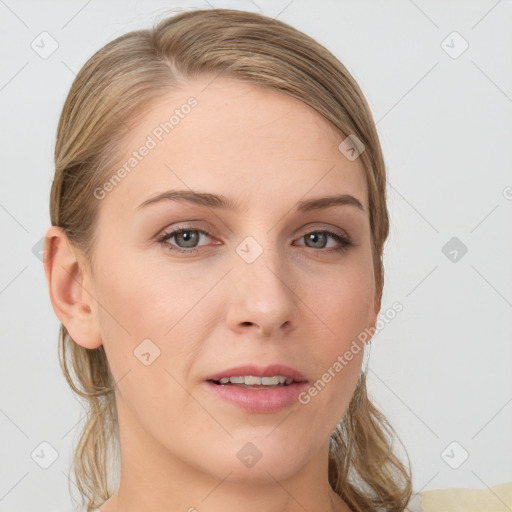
(259, 400)
(260, 371)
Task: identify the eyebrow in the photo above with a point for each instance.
(222, 202)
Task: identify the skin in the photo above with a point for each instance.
(211, 310)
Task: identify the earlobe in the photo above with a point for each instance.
(72, 300)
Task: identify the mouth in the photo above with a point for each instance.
(253, 376)
(253, 382)
(258, 389)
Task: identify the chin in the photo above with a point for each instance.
(258, 461)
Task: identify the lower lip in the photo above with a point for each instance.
(259, 400)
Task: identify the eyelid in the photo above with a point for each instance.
(344, 240)
(308, 229)
(324, 227)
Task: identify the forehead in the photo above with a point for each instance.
(234, 138)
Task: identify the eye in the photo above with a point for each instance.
(187, 240)
(186, 237)
(319, 238)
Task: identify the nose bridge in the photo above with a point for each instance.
(262, 264)
(261, 274)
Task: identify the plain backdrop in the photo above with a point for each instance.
(438, 78)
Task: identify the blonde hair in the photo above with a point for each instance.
(112, 90)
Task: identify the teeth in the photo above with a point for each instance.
(250, 380)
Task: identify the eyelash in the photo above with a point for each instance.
(345, 242)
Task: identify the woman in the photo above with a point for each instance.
(215, 259)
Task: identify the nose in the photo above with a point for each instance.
(263, 301)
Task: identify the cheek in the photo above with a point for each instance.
(136, 297)
(143, 318)
(344, 308)
(140, 300)
(352, 298)
(129, 302)
(343, 301)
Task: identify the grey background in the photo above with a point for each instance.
(441, 369)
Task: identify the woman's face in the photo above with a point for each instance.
(265, 286)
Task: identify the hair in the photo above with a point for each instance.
(114, 89)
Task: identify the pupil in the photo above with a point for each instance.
(191, 238)
(313, 236)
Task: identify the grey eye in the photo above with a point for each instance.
(188, 238)
(317, 238)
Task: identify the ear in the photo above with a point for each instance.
(70, 288)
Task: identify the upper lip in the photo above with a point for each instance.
(259, 371)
